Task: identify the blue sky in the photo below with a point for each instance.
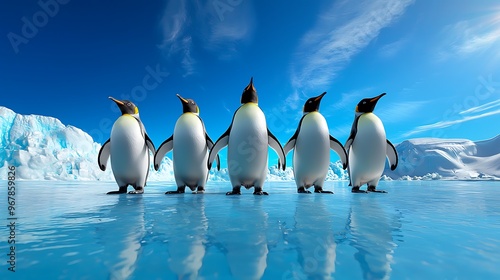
(437, 61)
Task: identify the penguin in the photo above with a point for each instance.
(368, 147)
(190, 144)
(312, 143)
(247, 139)
(129, 147)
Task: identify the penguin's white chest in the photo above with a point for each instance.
(369, 148)
(312, 149)
(247, 147)
(129, 154)
(190, 150)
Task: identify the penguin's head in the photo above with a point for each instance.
(312, 104)
(249, 94)
(188, 105)
(367, 105)
(126, 106)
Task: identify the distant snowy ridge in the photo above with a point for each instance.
(42, 148)
(461, 159)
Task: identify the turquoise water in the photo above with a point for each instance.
(419, 230)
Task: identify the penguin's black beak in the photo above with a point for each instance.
(250, 86)
(121, 105)
(319, 97)
(375, 99)
(183, 100)
(373, 102)
(249, 94)
(118, 102)
(126, 107)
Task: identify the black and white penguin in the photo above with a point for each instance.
(312, 143)
(190, 144)
(368, 147)
(247, 139)
(129, 147)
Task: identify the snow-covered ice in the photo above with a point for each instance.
(431, 158)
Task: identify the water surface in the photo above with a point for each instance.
(419, 230)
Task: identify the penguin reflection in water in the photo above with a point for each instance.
(312, 143)
(247, 139)
(129, 147)
(368, 147)
(190, 144)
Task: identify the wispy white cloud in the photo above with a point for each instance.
(175, 40)
(292, 101)
(391, 49)
(481, 108)
(340, 132)
(187, 62)
(341, 32)
(346, 100)
(468, 117)
(218, 27)
(230, 28)
(468, 37)
(173, 22)
(401, 111)
(350, 99)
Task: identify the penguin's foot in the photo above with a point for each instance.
(372, 189)
(175, 192)
(302, 190)
(258, 191)
(115, 192)
(119, 191)
(236, 190)
(233, 192)
(200, 190)
(138, 190)
(357, 190)
(320, 190)
(180, 189)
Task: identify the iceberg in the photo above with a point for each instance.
(459, 159)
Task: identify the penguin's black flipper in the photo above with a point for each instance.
(291, 143)
(221, 143)
(339, 149)
(210, 145)
(150, 144)
(354, 131)
(276, 146)
(102, 158)
(288, 147)
(392, 155)
(164, 148)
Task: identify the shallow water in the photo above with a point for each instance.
(419, 230)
